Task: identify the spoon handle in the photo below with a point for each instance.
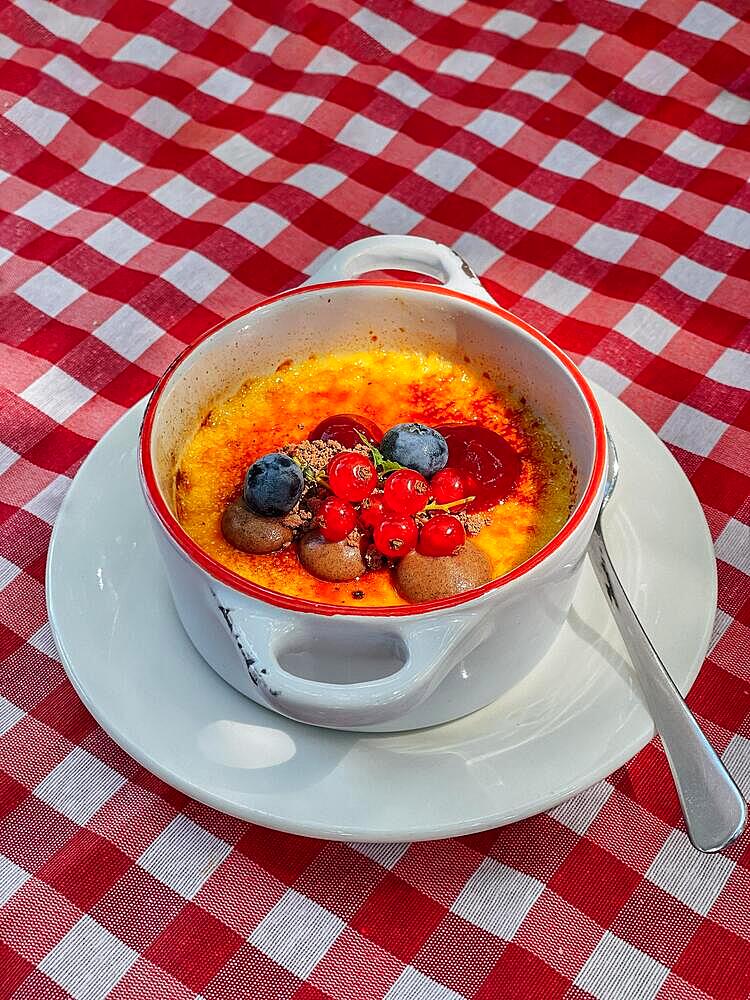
(714, 810)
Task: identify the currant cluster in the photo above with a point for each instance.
(389, 513)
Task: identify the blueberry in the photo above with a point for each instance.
(417, 447)
(273, 485)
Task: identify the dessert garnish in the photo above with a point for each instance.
(353, 500)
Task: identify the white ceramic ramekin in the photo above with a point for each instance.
(373, 668)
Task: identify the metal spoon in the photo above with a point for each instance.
(714, 810)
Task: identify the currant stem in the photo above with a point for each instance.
(448, 506)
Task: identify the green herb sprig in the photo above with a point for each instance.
(382, 464)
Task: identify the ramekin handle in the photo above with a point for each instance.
(401, 253)
(427, 659)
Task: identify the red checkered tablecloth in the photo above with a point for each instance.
(163, 166)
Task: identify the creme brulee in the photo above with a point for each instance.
(389, 388)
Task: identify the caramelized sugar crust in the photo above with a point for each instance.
(388, 387)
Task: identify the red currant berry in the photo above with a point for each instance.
(352, 476)
(337, 519)
(373, 510)
(395, 536)
(448, 485)
(442, 535)
(405, 492)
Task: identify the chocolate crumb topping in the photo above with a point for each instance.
(473, 523)
(317, 454)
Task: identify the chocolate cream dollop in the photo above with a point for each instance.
(332, 561)
(431, 578)
(252, 533)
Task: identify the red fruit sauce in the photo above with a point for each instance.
(343, 427)
(489, 463)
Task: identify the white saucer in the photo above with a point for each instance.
(573, 721)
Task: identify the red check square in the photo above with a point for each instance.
(398, 917)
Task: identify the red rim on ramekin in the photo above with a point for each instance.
(223, 575)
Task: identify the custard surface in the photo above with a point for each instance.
(389, 387)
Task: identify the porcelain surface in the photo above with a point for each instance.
(572, 720)
(434, 662)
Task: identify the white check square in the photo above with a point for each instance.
(317, 179)
(604, 375)
(70, 75)
(580, 812)
(391, 36)
(737, 759)
(695, 879)
(366, 135)
(414, 985)
(694, 278)
(110, 165)
(9, 713)
(297, 107)
(497, 898)
(557, 292)
(541, 84)
(730, 108)
(466, 65)
(184, 856)
(270, 40)
(143, 50)
(480, 252)
(404, 89)
(46, 503)
(654, 193)
(258, 224)
(692, 429)
(128, 332)
(613, 118)
(50, 291)
(445, 169)
(297, 933)
(46, 210)
(616, 970)
(523, 209)
(57, 394)
(580, 40)
(385, 855)
(240, 154)
(511, 23)
(689, 148)
(392, 216)
(733, 545)
(494, 126)
(605, 243)
(731, 225)
(41, 123)
(225, 85)
(708, 21)
(202, 12)
(647, 328)
(161, 117)
(732, 367)
(79, 785)
(8, 457)
(12, 877)
(329, 60)
(89, 961)
(441, 6)
(194, 275)
(182, 196)
(8, 572)
(656, 73)
(118, 241)
(569, 159)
